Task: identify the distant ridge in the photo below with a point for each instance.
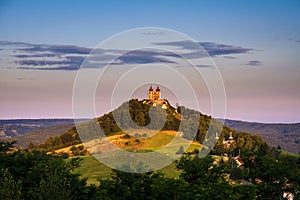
(18, 127)
(287, 136)
(41, 134)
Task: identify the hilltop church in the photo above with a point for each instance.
(154, 95)
(155, 98)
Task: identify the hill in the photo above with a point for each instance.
(139, 117)
(39, 135)
(19, 127)
(286, 136)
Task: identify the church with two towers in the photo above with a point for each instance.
(154, 96)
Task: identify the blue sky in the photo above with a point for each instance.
(73, 22)
(264, 75)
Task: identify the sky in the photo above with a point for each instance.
(254, 45)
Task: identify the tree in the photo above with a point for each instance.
(36, 175)
(31, 145)
(6, 146)
(9, 187)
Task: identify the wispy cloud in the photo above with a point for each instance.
(254, 63)
(212, 48)
(58, 49)
(70, 57)
(153, 33)
(204, 66)
(14, 43)
(35, 55)
(25, 79)
(229, 57)
(69, 63)
(142, 57)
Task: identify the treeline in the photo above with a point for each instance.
(36, 175)
(262, 177)
(53, 143)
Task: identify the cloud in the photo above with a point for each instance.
(9, 43)
(64, 68)
(56, 49)
(53, 49)
(97, 61)
(142, 57)
(25, 79)
(184, 44)
(229, 57)
(35, 55)
(254, 63)
(212, 48)
(70, 57)
(153, 33)
(204, 66)
(69, 63)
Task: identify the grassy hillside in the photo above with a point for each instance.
(94, 170)
(154, 142)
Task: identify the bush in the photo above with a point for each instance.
(127, 143)
(64, 155)
(137, 135)
(81, 147)
(144, 135)
(137, 141)
(126, 136)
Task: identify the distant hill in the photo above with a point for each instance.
(41, 134)
(287, 136)
(19, 127)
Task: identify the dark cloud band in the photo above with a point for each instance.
(70, 57)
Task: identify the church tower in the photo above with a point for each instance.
(157, 94)
(150, 93)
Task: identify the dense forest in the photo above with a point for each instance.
(35, 175)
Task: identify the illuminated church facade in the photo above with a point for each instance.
(154, 96)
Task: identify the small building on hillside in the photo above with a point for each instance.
(228, 142)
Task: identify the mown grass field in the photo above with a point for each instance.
(93, 170)
(168, 141)
(165, 141)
